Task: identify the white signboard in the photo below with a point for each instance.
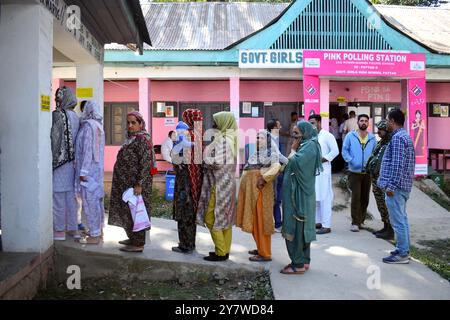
(169, 122)
(280, 59)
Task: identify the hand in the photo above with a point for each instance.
(390, 193)
(83, 178)
(137, 190)
(260, 183)
(296, 144)
(324, 160)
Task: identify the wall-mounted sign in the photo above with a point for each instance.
(246, 107)
(85, 93)
(45, 103)
(437, 109)
(363, 63)
(168, 122)
(444, 111)
(280, 59)
(341, 99)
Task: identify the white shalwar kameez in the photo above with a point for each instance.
(324, 188)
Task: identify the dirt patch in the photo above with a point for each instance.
(111, 288)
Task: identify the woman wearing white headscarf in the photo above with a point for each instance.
(65, 124)
(89, 155)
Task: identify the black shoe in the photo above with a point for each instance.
(388, 234)
(318, 226)
(126, 242)
(181, 250)
(323, 230)
(379, 231)
(212, 253)
(215, 257)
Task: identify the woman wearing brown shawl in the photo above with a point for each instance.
(256, 195)
(188, 183)
(133, 167)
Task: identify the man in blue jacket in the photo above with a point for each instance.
(357, 148)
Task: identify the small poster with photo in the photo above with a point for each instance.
(255, 112)
(160, 107)
(246, 107)
(437, 109)
(444, 111)
(169, 111)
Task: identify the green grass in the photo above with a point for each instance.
(161, 208)
(436, 255)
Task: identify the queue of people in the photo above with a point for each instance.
(289, 193)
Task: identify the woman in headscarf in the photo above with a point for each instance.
(89, 155)
(188, 182)
(65, 124)
(256, 195)
(217, 204)
(132, 169)
(299, 197)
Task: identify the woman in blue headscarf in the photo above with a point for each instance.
(299, 197)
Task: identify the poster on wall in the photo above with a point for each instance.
(311, 94)
(436, 109)
(169, 111)
(246, 107)
(444, 111)
(418, 123)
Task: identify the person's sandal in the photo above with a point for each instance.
(182, 250)
(91, 240)
(132, 249)
(258, 258)
(293, 270)
(126, 242)
(253, 252)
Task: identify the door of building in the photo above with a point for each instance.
(282, 112)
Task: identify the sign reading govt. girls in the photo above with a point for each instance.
(282, 59)
(363, 63)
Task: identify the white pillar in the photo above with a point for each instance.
(90, 76)
(26, 39)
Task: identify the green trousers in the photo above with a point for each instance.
(299, 251)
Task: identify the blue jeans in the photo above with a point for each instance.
(399, 219)
(277, 205)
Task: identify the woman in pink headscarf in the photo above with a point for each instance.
(133, 169)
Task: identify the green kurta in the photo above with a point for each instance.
(299, 195)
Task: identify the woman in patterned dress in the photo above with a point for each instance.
(132, 169)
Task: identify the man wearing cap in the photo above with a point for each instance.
(373, 167)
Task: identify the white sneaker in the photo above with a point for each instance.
(278, 230)
(59, 235)
(354, 228)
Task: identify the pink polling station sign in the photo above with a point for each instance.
(363, 63)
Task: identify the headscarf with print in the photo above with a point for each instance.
(62, 142)
(142, 134)
(93, 118)
(194, 119)
(264, 156)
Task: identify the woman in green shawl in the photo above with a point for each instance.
(299, 197)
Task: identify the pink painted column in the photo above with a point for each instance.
(311, 94)
(234, 108)
(56, 83)
(325, 103)
(144, 101)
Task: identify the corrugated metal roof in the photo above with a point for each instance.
(217, 25)
(204, 25)
(427, 25)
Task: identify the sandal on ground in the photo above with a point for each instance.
(126, 242)
(258, 258)
(132, 249)
(213, 253)
(290, 269)
(73, 234)
(253, 252)
(306, 266)
(90, 240)
(182, 250)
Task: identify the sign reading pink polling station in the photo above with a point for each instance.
(363, 63)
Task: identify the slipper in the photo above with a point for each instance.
(259, 259)
(293, 270)
(306, 266)
(253, 252)
(126, 242)
(90, 240)
(132, 249)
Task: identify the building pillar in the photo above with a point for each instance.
(144, 101)
(234, 108)
(325, 103)
(90, 83)
(26, 41)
